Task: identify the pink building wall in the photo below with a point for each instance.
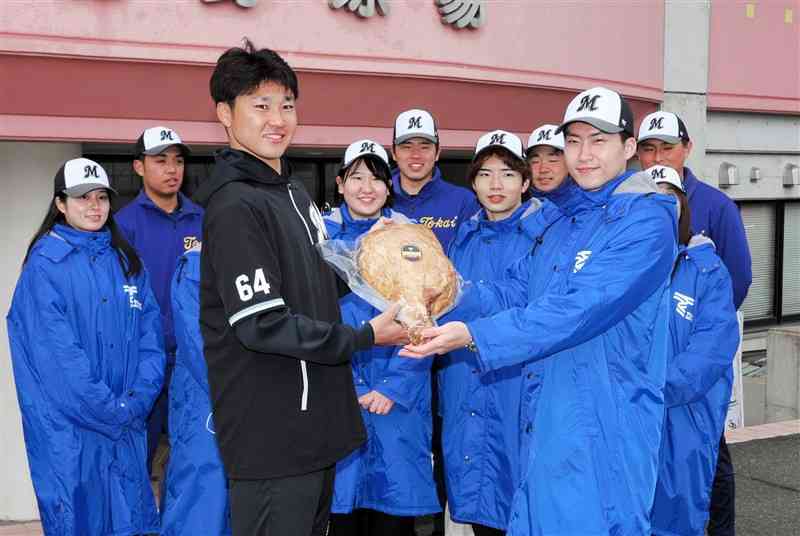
(754, 56)
(101, 69)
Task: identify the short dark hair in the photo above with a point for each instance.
(377, 167)
(510, 159)
(240, 70)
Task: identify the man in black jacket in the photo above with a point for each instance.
(278, 355)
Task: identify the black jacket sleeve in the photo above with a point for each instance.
(248, 278)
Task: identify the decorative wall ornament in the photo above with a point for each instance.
(240, 3)
(362, 8)
(462, 13)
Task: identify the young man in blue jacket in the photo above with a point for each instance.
(161, 223)
(423, 195)
(480, 432)
(419, 190)
(664, 140)
(587, 312)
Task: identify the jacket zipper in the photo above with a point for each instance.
(303, 365)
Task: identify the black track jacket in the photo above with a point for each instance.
(277, 352)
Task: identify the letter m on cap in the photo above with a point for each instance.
(588, 102)
(544, 135)
(498, 139)
(166, 135)
(90, 171)
(657, 173)
(367, 147)
(656, 123)
(415, 122)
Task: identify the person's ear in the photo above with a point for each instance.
(630, 148)
(61, 205)
(138, 166)
(340, 185)
(225, 114)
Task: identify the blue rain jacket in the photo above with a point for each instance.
(587, 312)
(440, 205)
(704, 336)
(160, 239)
(480, 432)
(392, 471)
(197, 489)
(87, 350)
(716, 216)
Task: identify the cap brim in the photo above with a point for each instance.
(543, 144)
(599, 124)
(407, 137)
(379, 158)
(83, 189)
(495, 146)
(161, 148)
(674, 140)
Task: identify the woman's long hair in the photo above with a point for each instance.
(128, 258)
(685, 220)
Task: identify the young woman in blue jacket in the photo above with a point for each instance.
(87, 350)
(380, 487)
(196, 500)
(704, 336)
(481, 426)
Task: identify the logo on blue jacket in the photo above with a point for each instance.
(683, 302)
(132, 291)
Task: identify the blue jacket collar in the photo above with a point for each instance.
(689, 181)
(185, 206)
(348, 225)
(702, 251)
(481, 223)
(94, 242)
(560, 194)
(429, 189)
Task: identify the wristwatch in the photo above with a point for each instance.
(471, 346)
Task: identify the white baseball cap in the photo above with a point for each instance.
(546, 135)
(365, 147)
(500, 138)
(156, 140)
(664, 126)
(667, 175)
(415, 124)
(602, 108)
(79, 176)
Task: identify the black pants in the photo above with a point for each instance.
(294, 505)
(364, 522)
(481, 530)
(722, 513)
